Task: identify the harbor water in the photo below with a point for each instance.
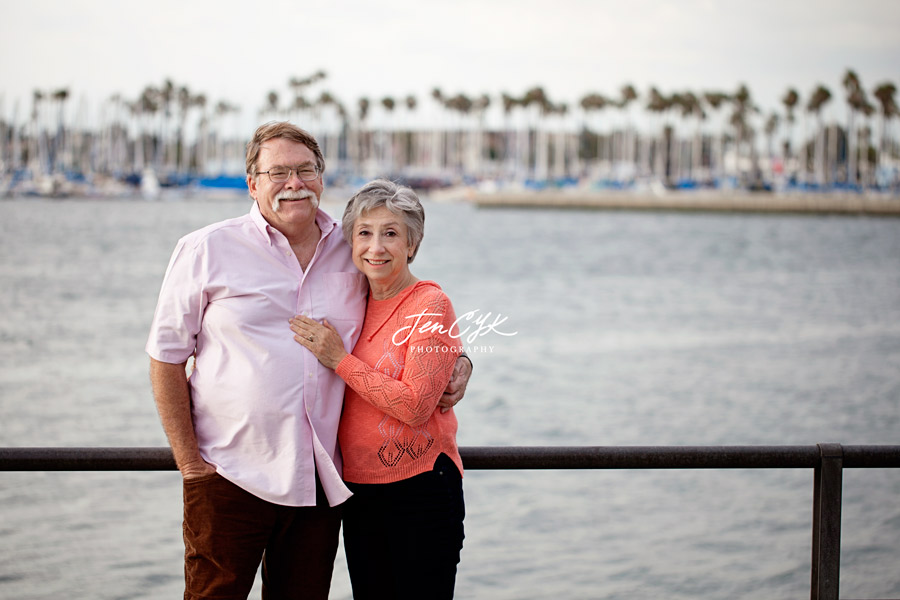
(608, 328)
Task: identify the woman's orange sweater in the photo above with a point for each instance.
(391, 428)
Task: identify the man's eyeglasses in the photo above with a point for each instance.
(282, 174)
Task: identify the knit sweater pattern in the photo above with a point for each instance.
(391, 428)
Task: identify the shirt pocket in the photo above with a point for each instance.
(347, 295)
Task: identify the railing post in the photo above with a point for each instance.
(826, 534)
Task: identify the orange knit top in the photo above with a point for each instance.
(391, 428)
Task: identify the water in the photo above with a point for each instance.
(631, 329)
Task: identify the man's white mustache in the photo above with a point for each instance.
(294, 195)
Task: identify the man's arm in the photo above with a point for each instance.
(173, 401)
(456, 389)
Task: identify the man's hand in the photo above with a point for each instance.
(173, 401)
(196, 470)
(456, 389)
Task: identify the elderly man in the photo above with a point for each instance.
(254, 427)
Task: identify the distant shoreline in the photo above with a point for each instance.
(855, 204)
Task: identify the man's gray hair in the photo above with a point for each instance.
(281, 129)
(399, 199)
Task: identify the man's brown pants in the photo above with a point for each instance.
(228, 531)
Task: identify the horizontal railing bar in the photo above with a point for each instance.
(87, 459)
(639, 457)
(496, 457)
(861, 457)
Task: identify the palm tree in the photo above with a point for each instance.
(222, 149)
(885, 93)
(386, 135)
(201, 151)
(331, 135)
(438, 146)
(116, 136)
(147, 105)
(511, 142)
(595, 103)
(271, 106)
(865, 136)
(461, 105)
(770, 128)
(362, 146)
(790, 100)
(411, 153)
(166, 96)
(743, 106)
(628, 95)
(301, 104)
(537, 97)
(559, 112)
(185, 101)
(856, 100)
(37, 155)
(716, 100)
(5, 134)
(859, 103)
(691, 108)
(673, 142)
(113, 138)
(59, 161)
(479, 147)
(299, 85)
(659, 104)
(817, 100)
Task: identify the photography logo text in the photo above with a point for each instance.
(468, 327)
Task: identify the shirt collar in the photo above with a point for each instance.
(326, 222)
(259, 220)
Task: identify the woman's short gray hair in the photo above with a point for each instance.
(399, 199)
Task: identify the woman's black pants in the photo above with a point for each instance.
(403, 539)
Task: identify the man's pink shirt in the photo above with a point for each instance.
(265, 411)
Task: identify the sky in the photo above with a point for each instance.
(238, 52)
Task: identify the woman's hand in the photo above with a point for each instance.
(456, 388)
(319, 338)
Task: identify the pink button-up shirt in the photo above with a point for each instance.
(265, 411)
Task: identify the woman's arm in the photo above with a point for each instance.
(413, 398)
(429, 364)
(322, 339)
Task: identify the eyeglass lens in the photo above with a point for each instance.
(281, 174)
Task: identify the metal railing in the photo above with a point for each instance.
(827, 460)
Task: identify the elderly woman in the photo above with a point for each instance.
(403, 527)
